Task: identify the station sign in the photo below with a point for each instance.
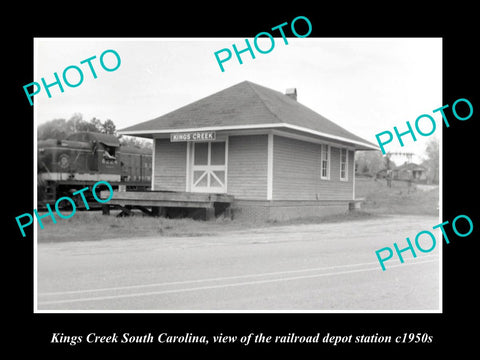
(193, 136)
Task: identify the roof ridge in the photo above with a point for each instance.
(263, 102)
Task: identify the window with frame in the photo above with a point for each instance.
(344, 164)
(324, 162)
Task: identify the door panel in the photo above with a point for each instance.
(209, 168)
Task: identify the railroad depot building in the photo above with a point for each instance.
(276, 157)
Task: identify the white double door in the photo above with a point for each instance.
(209, 166)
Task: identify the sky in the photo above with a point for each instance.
(366, 85)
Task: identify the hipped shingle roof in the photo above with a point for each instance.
(245, 105)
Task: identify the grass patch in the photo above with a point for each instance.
(91, 226)
(398, 199)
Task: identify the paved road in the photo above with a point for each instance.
(299, 267)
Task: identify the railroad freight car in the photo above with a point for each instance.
(65, 166)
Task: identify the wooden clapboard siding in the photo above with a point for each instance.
(296, 172)
(247, 166)
(170, 165)
(296, 167)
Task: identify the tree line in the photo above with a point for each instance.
(369, 163)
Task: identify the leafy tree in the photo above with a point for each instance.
(369, 162)
(431, 162)
(61, 128)
(95, 125)
(75, 123)
(54, 129)
(136, 142)
(108, 127)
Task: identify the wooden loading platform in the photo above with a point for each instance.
(155, 203)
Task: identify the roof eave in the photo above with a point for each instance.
(358, 145)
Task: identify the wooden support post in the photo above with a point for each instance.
(227, 213)
(209, 213)
(158, 211)
(105, 209)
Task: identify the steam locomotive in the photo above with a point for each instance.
(65, 166)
